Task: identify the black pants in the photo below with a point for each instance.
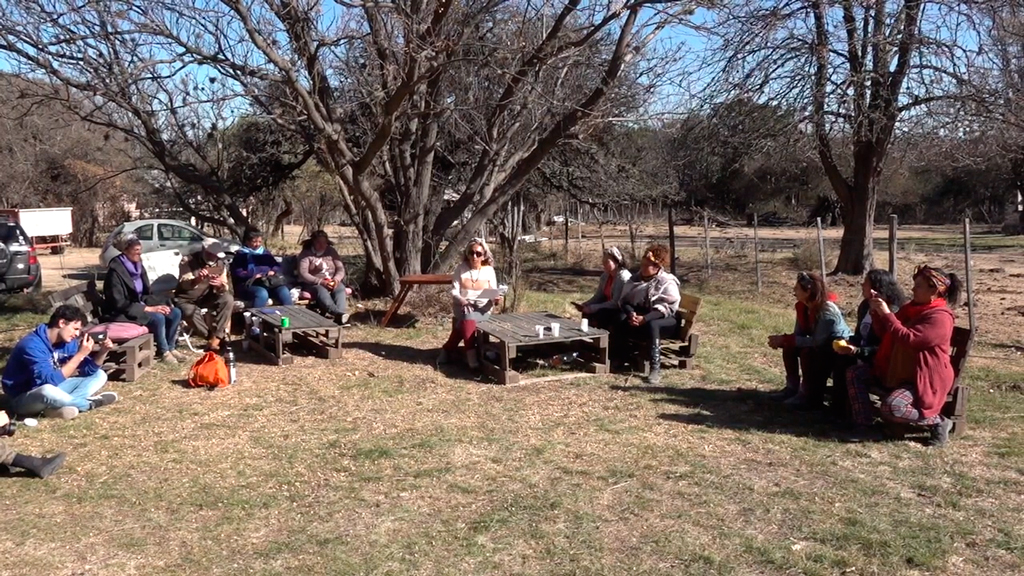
(606, 319)
(648, 331)
(811, 367)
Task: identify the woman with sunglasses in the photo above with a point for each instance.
(650, 300)
(807, 352)
(473, 274)
(602, 310)
(912, 363)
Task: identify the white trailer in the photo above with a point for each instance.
(48, 227)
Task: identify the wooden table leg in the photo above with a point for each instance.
(399, 300)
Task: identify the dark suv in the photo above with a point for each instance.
(19, 267)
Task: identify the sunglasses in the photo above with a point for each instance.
(477, 254)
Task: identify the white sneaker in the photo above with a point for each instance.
(168, 358)
(63, 413)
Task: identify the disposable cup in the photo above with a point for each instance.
(555, 328)
(585, 325)
(540, 330)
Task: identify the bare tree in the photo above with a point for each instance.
(862, 72)
(371, 87)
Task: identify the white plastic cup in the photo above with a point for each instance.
(540, 330)
(555, 327)
(585, 325)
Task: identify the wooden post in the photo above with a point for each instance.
(757, 256)
(565, 222)
(579, 224)
(672, 239)
(821, 247)
(893, 223)
(967, 275)
(707, 248)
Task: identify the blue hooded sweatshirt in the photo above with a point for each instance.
(35, 362)
(248, 263)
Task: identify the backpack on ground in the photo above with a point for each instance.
(209, 371)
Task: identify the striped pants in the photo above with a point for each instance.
(897, 406)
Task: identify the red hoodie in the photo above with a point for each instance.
(919, 355)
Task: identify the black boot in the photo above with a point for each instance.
(939, 433)
(654, 377)
(41, 467)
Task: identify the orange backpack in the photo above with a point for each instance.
(210, 371)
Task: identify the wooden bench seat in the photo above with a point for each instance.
(679, 351)
(128, 359)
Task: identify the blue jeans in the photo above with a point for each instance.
(260, 295)
(165, 329)
(71, 392)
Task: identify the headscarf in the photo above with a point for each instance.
(615, 254)
(936, 277)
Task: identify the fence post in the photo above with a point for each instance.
(565, 223)
(821, 248)
(757, 256)
(967, 275)
(672, 238)
(707, 248)
(893, 224)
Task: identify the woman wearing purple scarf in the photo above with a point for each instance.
(127, 298)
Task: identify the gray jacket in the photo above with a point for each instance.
(598, 302)
(660, 293)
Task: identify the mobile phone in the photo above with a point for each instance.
(99, 337)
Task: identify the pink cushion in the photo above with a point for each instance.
(305, 295)
(119, 331)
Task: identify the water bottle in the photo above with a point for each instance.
(229, 357)
(564, 359)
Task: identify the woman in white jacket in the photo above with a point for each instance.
(602, 310)
(473, 274)
(650, 300)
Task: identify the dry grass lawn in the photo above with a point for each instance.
(381, 464)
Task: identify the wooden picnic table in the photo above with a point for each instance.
(505, 334)
(409, 282)
(305, 328)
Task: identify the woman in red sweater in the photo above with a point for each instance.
(912, 362)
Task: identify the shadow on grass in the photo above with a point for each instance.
(739, 409)
(6, 472)
(455, 370)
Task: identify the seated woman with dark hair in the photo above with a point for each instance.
(602, 310)
(256, 274)
(912, 363)
(808, 352)
(861, 347)
(322, 273)
(649, 301)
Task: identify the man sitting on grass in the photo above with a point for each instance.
(50, 370)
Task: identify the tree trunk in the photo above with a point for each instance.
(278, 228)
(856, 251)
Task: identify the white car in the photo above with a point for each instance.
(161, 235)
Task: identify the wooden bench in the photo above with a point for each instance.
(128, 359)
(407, 283)
(679, 351)
(955, 407)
